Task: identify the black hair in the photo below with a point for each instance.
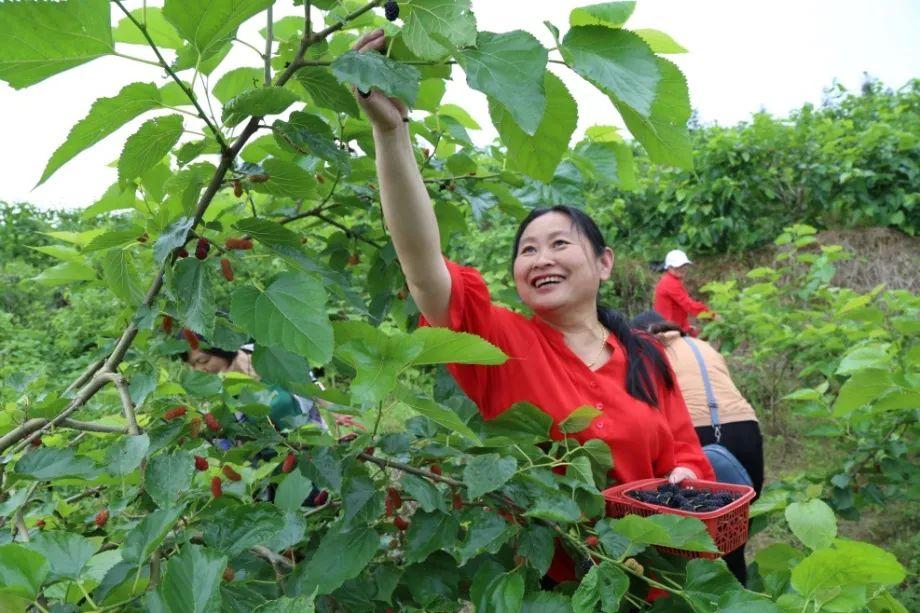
(644, 362)
(654, 323)
(215, 351)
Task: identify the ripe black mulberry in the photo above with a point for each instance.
(391, 10)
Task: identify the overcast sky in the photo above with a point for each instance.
(743, 56)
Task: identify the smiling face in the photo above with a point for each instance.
(556, 267)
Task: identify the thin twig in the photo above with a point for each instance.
(165, 65)
(267, 57)
(272, 557)
(121, 385)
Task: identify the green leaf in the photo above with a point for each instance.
(126, 455)
(812, 522)
(443, 346)
(537, 545)
(609, 14)
(430, 21)
(292, 491)
(873, 356)
(41, 39)
(844, 564)
(503, 594)
(602, 588)
(666, 530)
(207, 24)
(121, 276)
(64, 273)
(743, 601)
(237, 81)
(367, 71)
(660, 42)
(267, 232)
(430, 532)
(290, 314)
(326, 91)
(148, 145)
(664, 133)
(558, 508)
(487, 473)
(509, 68)
(168, 475)
(521, 421)
(308, 134)
(105, 116)
(617, 61)
(160, 30)
(862, 388)
(47, 463)
(110, 240)
(191, 583)
(279, 367)
(257, 103)
(22, 572)
(377, 358)
(579, 419)
(233, 530)
(707, 582)
(546, 602)
(540, 154)
(341, 555)
(487, 532)
(325, 469)
(67, 552)
(286, 179)
(172, 237)
(430, 93)
(437, 413)
(141, 541)
(195, 304)
(303, 604)
(423, 492)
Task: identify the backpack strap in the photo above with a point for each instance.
(707, 385)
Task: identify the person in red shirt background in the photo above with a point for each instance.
(571, 352)
(672, 301)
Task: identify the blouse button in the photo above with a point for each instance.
(600, 405)
(600, 424)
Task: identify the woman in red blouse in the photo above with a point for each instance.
(572, 352)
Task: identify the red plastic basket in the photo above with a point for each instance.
(727, 526)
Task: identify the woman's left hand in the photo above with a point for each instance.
(680, 473)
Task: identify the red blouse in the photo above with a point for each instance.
(645, 441)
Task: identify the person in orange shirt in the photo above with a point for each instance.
(735, 426)
(571, 352)
(672, 300)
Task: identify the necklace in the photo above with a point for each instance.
(601, 351)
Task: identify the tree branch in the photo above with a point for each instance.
(119, 382)
(188, 92)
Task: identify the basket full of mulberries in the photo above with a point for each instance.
(722, 507)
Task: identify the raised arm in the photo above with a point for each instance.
(407, 209)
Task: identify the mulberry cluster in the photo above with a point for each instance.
(686, 499)
(391, 10)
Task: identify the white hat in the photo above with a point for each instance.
(675, 259)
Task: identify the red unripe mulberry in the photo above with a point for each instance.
(321, 498)
(435, 468)
(237, 188)
(216, 490)
(230, 473)
(591, 541)
(289, 462)
(202, 248)
(212, 422)
(191, 338)
(226, 269)
(101, 517)
(401, 523)
(201, 463)
(174, 413)
(238, 243)
(167, 324)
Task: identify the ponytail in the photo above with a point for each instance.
(645, 364)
